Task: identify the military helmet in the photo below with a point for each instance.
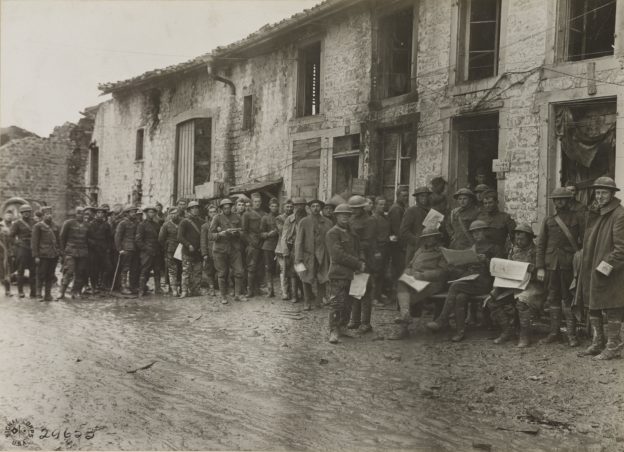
(25, 208)
(490, 193)
(464, 192)
(192, 204)
(605, 182)
(173, 211)
(89, 208)
(256, 195)
(226, 202)
(130, 208)
(481, 188)
(146, 208)
(430, 232)
(298, 200)
(561, 193)
(335, 201)
(357, 201)
(46, 208)
(525, 227)
(317, 201)
(79, 209)
(343, 208)
(102, 208)
(478, 224)
(421, 190)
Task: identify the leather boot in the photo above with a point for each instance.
(7, 288)
(460, 320)
(555, 321)
(356, 314)
(20, 286)
(141, 286)
(307, 297)
(442, 321)
(48, 291)
(294, 283)
(334, 325)
(571, 327)
(524, 317)
(238, 290)
(614, 342)
(125, 290)
(322, 292)
(251, 284)
(63, 290)
(401, 331)
(503, 320)
(285, 286)
(367, 308)
(598, 337)
(157, 288)
(271, 287)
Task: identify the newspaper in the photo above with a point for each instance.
(358, 285)
(177, 255)
(460, 257)
(414, 283)
(512, 283)
(433, 219)
(507, 269)
(300, 267)
(465, 278)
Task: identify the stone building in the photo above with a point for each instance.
(359, 96)
(49, 170)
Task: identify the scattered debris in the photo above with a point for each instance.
(536, 378)
(200, 316)
(524, 429)
(323, 361)
(489, 389)
(142, 368)
(539, 417)
(78, 360)
(392, 357)
(482, 446)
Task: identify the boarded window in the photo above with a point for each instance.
(399, 146)
(94, 164)
(586, 141)
(309, 83)
(395, 50)
(248, 112)
(193, 155)
(346, 153)
(476, 145)
(140, 134)
(587, 29)
(306, 167)
(478, 39)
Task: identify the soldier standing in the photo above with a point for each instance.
(270, 235)
(362, 226)
(21, 233)
(287, 244)
(189, 235)
(6, 252)
(149, 249)
(168, 238)
(412, 224)
(439, 200)
(311, 252)
(344, 255)
(73, 241)
(330, 206)
(281, 251)
(478, 191)
(125, 237)
(226, 229)
(381, 227)
(100, 239)
(206, 244)
(45, 251)
(501, 225)
(395, 246)
(251, 232)
(559, 238)
(461, 218)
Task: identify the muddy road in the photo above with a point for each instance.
(261, 375)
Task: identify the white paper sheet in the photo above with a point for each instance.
(507, 269)
(177, 255)
(433, 219)
(414, 283)
(512, 283)
(604, 268)
(358, 285)
(300, 267)
(465, 278)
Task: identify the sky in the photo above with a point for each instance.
(53, 53)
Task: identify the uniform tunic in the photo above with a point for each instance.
(310, 248)
(458, 226)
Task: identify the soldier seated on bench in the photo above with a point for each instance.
(429, 265)
(461, 291)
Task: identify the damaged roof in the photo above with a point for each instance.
(266, 33)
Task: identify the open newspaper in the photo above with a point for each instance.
(433, 219)
(510, 274)
(358, 285)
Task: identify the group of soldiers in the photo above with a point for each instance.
(320, 246)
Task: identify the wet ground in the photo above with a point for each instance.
(261, 375)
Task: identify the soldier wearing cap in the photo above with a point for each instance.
(168, 238)
(501, 225)
(601, 281)
(226, 230)
(396, 246)
(330, 206)
(528, 302)
(438, 200)
(269, 234)
(45, 251)
(100, 239)
(479, 190)
(460, 291)
(381, 256)
(206, 245)
(287, 244)
(125, 243)
(252, 236)
(461, 218)
(345, 260)
(189, 235)
(310, 251)
(559, 238)
(281, 251)
(412, 224)
(21, 233)
(75, 249)
(363, 227)
(6, 252)
(149, 250)
(428, 265)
